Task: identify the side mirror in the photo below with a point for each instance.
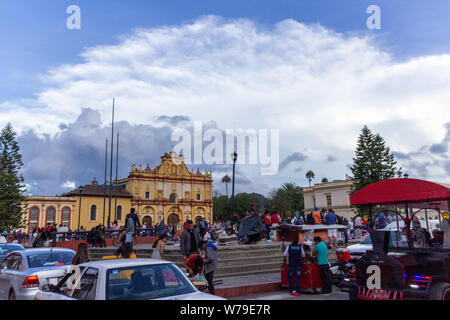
(48, 287)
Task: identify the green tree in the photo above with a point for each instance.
(287, 199)
(373, 161)
(324, 180)
(310, 176)
(12, 200)
(279, 201)
(221, 208)
(226, 179)
(294, 195)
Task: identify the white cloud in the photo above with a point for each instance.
(318, 86)
(68, 185)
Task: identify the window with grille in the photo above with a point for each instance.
(173, 198)
(199, 197)
(329, 204)
(34, 215)
(65, 216)
(51, 215)
(147, 194)
(93, 215)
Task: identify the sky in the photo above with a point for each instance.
(310, 69)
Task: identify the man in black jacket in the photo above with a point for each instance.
(189, 240)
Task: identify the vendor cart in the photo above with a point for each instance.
(310, 277)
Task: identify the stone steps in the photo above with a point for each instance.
(233, 260)
(246, 273)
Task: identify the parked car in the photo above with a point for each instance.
(360, 249)
(7, 248)
(124, 279)
(23, 272)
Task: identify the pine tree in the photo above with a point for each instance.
(373, 161)
(12, 200)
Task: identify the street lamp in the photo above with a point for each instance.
(234, 158)
(79, 207)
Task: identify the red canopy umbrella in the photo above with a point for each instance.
(402, 190)
(412, 193)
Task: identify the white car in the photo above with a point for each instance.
(24, 271)
(358, 250)
(124, 279)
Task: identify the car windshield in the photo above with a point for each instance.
(146, 282)
(392, 238)
(4, 250)
(43, 259)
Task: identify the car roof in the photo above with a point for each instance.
(423, 223)
(122, 263)
(46, 250)
(11, 244)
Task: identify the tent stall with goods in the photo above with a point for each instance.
(251, 226)
(414, 271)
(310, 277)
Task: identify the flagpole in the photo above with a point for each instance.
(117, 169)
(111, 164)
(104, 184)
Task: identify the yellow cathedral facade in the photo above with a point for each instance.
(169, 191)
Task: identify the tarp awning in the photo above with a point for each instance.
(401, 190)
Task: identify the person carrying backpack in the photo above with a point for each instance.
(132, 223)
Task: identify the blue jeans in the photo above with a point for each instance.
(267, 231)
(298, 273)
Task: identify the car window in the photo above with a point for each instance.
(67, 283)
(366, 240)
(21, 265)
(12, 262)
(4, 250)
(146, 282)
(87, 286)
(43, 259)
(392, 238)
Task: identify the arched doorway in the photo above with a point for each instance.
(147, 220)
(173, 219)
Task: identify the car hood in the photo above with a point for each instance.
(193, 296)
(359, 247)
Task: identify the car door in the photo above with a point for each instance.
(86, 288)
(8, 274)
(3, 277)
(64, 289)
